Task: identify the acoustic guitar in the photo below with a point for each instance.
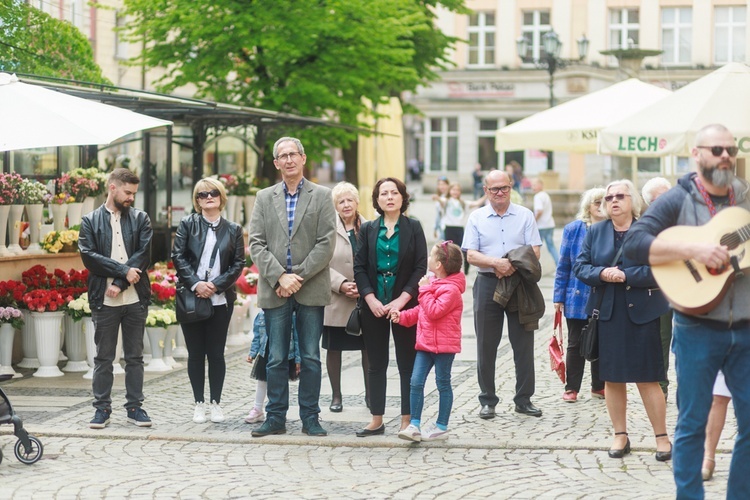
(693, 288)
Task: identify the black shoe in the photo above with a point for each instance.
(371, 432)
(268, 428)
(664, 456)
(487, 412)
(622, 451)
(311, 426)
(101, 418)
(529, 409)
(139, 417)
(336, 407)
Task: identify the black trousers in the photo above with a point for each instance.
(575, 364)
(207, 340)
(376, 333)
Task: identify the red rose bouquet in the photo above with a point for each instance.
(163, 295)
(43, 300)
(11, 293)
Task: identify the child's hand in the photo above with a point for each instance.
(297, 368)
(249, 359)
(425, 280)
(395, 316)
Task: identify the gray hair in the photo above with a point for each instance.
(343, 188)
(651, 186)
(587, 198)
(300, 147)
(635, 198)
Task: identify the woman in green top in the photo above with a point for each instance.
(390, 261)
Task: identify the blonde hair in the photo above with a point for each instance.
(587, 198)
(343, 188)
(209, 184)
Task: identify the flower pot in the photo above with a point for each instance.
(231, 208)
(169, 341)
(89, 204)
(180, 349)
(74, 214)
(34, 213)
(47, 332)
(59, 212)
(75, 346)
(7, 334)
(249, 204)
(156, 336)
(4, 214)
(28, 343)
(14, 229)
(87, 326)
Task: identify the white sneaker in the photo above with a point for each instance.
(411, 433)
(199, 415)
(433, 433)
(216, 414)
(255, 416)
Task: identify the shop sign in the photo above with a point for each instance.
(481, 89)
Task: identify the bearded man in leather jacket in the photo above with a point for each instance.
(115, 245)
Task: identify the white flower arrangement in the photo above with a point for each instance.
(79, 308)
(161, 318)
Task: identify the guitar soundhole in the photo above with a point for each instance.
(731, 240)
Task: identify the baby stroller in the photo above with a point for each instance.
(28, 448)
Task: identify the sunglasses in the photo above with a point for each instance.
(618, 196)
(214, 193)
(718, 150)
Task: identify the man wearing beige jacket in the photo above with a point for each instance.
(292, 234)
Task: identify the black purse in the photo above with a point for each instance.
(353, 325)
(190, 308)
(589, 348)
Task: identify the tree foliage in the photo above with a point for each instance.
(310, 57)
(33, 42)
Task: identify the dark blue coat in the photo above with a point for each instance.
(645, 302)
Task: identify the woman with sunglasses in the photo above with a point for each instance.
(631, 304)
(198, 235)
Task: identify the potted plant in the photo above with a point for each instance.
(75, 337)
(157, 322)
(11, 319)
(65, 241)
(47, 316)
(9, 184)
(34, 196)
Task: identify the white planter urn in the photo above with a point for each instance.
(59, 212)
(75, 346)
(169, 344)
(4, 214)
(249, 204)
(180, 348)
(14, 229)
(7, 335)
(74, 214)
(156, 336)
(47, 331)
(34, 213)
(28, 342)
(89, 204)
(87, 326)
(231, 208)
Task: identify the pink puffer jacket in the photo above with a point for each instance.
(438, 315)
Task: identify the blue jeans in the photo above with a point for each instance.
(309, 330)
(700, 351)
(422, 366)
(549, 242)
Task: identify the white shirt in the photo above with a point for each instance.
(119, 254)
(455, 213)
(543, 203)
(208, 249)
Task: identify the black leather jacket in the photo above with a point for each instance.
(188, 248)
(95, 244)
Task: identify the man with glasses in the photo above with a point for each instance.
(720, 338)
(491, 232)
(292, 232)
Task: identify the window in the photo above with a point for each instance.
(482, 39)
(729, 34)
(623, 28)
(121, 46)
(443, 145)
(76, 13)
(486, 154)
(676, 33)
(535, 25)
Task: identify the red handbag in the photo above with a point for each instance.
(556, 354)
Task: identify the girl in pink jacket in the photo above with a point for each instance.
(438, 320)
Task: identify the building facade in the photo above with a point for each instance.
(490, 86)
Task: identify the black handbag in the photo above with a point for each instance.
(190, 308)
(353, 325)
(589, 348)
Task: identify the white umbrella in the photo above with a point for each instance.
(668, 127)
(574, 125)
(34, 117)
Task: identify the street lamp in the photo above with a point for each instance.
(551, 61)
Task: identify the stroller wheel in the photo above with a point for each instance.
(33, 455)
(1, 456)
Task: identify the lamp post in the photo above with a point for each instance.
(551, 61)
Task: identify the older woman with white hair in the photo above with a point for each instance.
(630, 304)
(345, 293)
(571, 294)
(654, 188)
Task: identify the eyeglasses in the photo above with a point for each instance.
(718, 150)
(288, 156)
(495, 190)
(214, 193)
(618, 196)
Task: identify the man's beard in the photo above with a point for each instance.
(122, 207)
(719, 177)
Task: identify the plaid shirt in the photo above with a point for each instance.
(291, 207)
(572, 292)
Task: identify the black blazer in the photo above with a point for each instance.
(188, 248)
(412, 258)
(644, 300)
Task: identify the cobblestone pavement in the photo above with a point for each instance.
(560, 455)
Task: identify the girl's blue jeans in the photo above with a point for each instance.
(422, 366)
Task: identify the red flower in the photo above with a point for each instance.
(43, 300)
